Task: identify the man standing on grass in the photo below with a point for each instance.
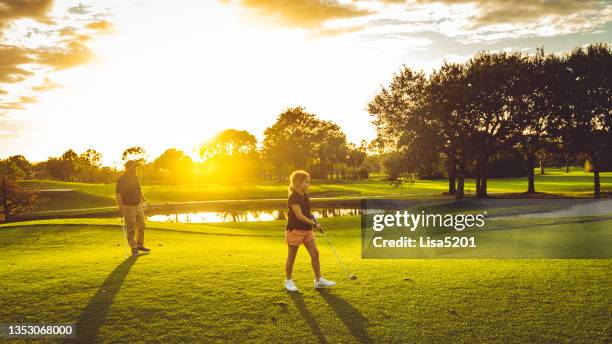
(130, 201)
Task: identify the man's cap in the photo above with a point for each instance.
(130, 163)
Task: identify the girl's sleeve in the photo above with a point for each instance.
(292, 200)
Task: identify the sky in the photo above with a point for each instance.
(110, 74)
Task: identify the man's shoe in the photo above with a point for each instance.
(323, 283)
(290, 286)
(135, 253)
(144, 249)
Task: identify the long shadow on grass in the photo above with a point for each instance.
(89, 322)
(355, 322)
(308, 317)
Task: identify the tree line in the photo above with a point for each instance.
(297, 140)
(463, 116)
(492, 116)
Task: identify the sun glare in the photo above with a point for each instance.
(174, 77)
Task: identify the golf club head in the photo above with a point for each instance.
(352, 277)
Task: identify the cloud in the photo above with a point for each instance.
(100, 25)
(14, 60)
(74, 53)
(493, 12)
(470, 21)
(304, 13)
(11, 60)
(47, 85)
(17, 9)
(79, 9)
(68, 31)
(29, 50)
(340, 31)
(517, 11)
(17, 104)
(10, 128)
(490, 21)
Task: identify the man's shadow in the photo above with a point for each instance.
(91, 319)
(356, 323)
(308, 317)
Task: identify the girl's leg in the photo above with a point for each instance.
(311, 246)
(291, 254)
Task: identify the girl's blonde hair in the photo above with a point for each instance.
(297, 177)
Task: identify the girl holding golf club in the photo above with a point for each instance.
(300, 230)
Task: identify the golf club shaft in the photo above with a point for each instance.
(337, 257)
(348, 274)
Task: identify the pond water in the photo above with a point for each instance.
(244, 216)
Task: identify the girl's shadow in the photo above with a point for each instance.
(349, 315)
(356, 323)
(308, 317)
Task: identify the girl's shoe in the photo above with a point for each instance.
(290, 286)
(323, 283)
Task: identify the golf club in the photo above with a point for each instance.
(348, 274)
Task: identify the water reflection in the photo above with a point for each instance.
(243, 216)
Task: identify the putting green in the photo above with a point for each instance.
(220, 283)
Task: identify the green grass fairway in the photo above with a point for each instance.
(223, 283)
(82, 195)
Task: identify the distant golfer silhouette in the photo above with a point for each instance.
(130, 201)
